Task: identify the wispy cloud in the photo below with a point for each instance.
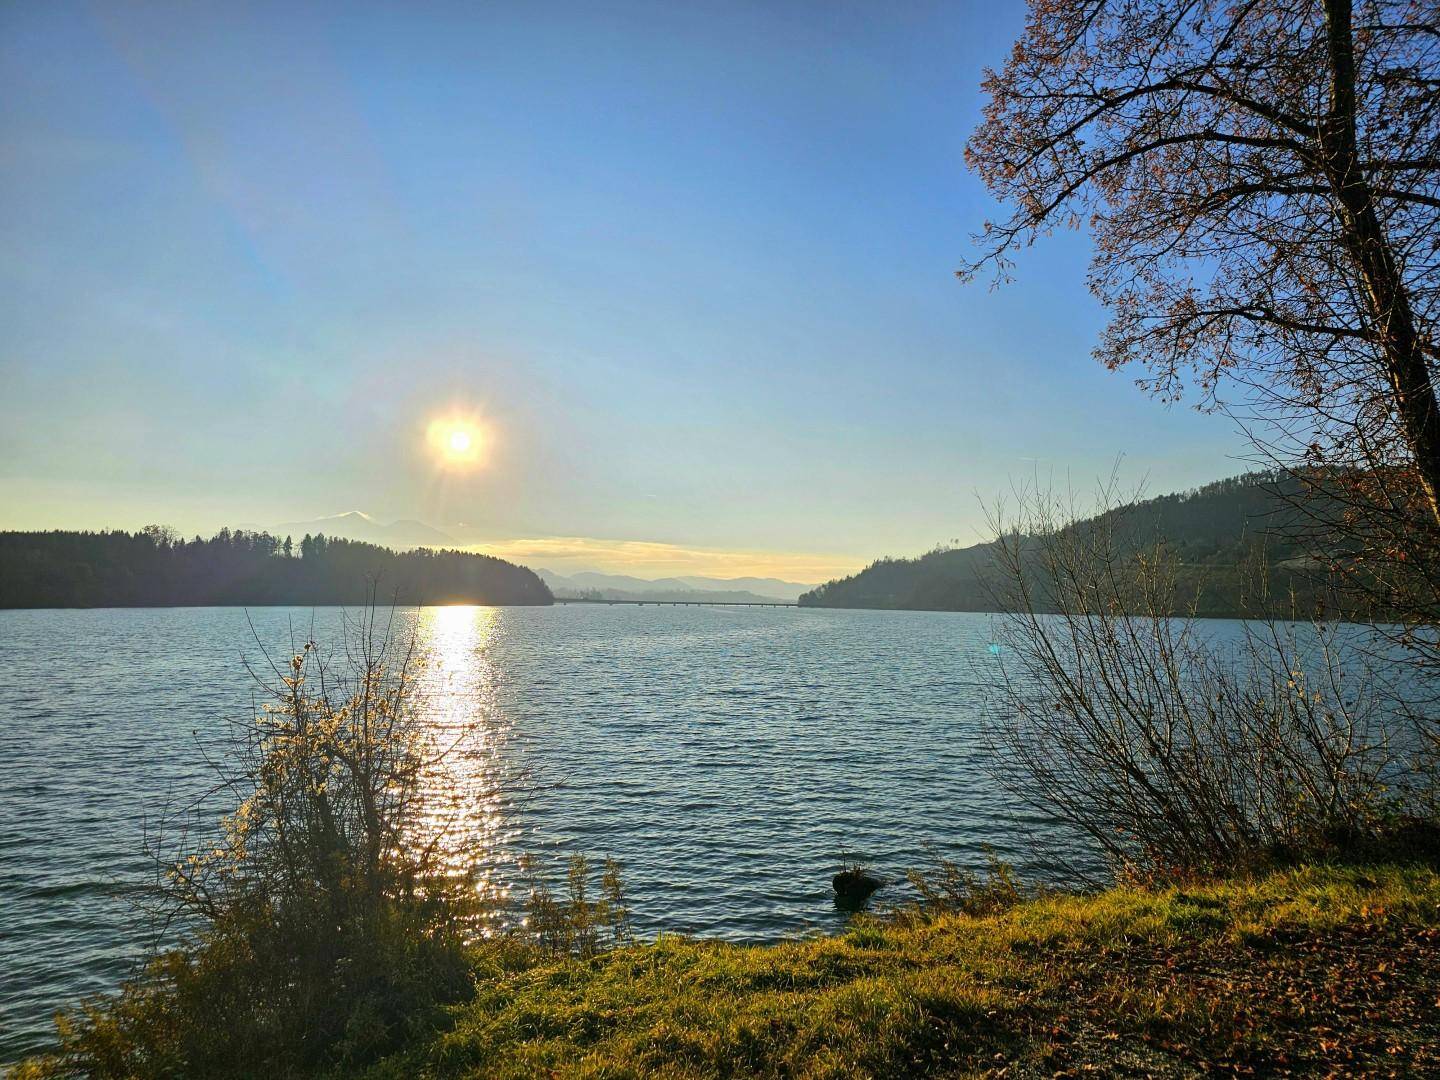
(649, 558)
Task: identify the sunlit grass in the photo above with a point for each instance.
(1175, 979)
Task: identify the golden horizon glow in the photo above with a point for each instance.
(458, 442)
(652, 559)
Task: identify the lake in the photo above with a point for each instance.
(728, 757)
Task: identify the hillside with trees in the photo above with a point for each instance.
(1229, 541)
(156, 568)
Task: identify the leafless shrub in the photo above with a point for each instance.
(947, 887)
(326, 918)
(334, 914)
(575, 924)
(1174, 751)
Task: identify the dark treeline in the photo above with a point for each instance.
(1236, 545)
(155, 568)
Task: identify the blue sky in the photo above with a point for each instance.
(691, 264)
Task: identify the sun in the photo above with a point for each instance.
(457, 442)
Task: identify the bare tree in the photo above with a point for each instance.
(1262, 179)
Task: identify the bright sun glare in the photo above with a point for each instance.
(457, 442)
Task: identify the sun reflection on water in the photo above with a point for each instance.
(467, 783)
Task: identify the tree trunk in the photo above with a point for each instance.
(1411, 390)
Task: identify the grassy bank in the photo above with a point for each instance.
(1317, 971)
(1313, 971)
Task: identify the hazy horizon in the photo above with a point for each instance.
(679, 279)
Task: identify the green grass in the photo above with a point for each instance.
(1320, 970)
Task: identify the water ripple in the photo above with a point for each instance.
(727, 757)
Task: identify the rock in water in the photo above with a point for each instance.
(853, 886)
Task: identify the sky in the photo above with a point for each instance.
(686, 270)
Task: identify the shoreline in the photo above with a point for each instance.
(1315, 969)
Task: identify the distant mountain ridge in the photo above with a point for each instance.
(358, 525)
(1213, 531)
(625, 587)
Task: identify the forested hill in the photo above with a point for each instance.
(1214, 532)
(153, 568)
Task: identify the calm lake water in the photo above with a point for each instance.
(728, 757)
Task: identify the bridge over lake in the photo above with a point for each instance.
(678, 603)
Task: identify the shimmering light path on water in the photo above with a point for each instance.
(728, 757)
